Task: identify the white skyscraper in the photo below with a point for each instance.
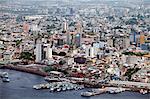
(65, 27)
(92, 55)
(49, 52)
(38, 53)
(96, 48)
(89, 51)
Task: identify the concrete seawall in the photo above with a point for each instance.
(27, 70)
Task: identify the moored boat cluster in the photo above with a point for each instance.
(58, 86)
(111, 90)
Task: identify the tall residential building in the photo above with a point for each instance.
(49, 52)
(90, 52)
(96, 48)
(65, 26)
(38, 53)
(60, 42)
(71, 11)
(87, 51)
(134, 37)
(68, 37)
(142, 38)
(77, 40)
(78, 36)
(79, 27)
(26, 27)
(92, 55)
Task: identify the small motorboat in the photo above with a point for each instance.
(86, 94)
(5, 79)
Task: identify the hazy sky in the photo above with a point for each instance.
(78, 0)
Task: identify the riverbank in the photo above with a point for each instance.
(25, 69)
(21, 84)
(86, 83)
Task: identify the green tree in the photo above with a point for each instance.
(26, 56)
(18, 42)
(130, 72)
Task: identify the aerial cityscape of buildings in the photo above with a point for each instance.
(102, 42)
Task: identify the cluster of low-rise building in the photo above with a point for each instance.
(85, 41)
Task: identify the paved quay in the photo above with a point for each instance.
(129, 83)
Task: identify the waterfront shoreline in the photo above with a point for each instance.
(20, 88)
(86, 84)
(24, 69)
